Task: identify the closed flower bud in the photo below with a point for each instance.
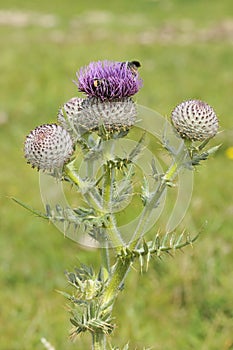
(69, 115)
(84, 115)
(195, 120)
(48, 147)
(115, 115)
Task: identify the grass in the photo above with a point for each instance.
(183, 302)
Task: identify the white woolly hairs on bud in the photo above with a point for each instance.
(48, 147)
(195, 120)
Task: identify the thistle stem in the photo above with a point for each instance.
(108, 183)
(178, 163)
(119, 273)
(105, 258)
(90, 194)
(98, 341)
(122, 265)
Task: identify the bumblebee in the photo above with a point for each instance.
(97, 82)
(132, 65)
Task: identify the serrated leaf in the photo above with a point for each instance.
(179, 239)
(64, 294)
(145, 195)
(74, 322)
(29, 208)
(214, 149)
(197, 158)
(137, 149)
(145, 247)
(166, 143)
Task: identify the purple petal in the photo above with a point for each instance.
(108, 80)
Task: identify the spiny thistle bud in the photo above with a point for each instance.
(48, 147)
(69, 114)
(195, 120)
(82, 115)
(107, 80)
(115, 115)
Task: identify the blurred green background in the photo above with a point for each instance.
(186, 51)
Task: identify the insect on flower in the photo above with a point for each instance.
(133, 66)
(98, 82)
(108, 80)
(102, 84)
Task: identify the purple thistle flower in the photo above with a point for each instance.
(108, 80)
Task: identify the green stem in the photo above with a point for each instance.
(90, 194)
(98, 341)
(102, 204)
(155, 197)
(122, 265)
(105, 258)
(108, 183)
(120, 270)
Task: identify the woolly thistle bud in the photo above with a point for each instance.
(69, 115)
(195, 120)
(89, 114)
(115, 115)
(48, 147)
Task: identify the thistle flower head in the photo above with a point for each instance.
(82, 115)
(48, 147)
(195, 120)
(69, 115)
(108, 80)
(115, 115)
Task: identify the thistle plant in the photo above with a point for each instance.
(95, 146)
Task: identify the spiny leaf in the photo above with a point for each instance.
(137, 149)
(197, 158)
(95, 152)
(165, 142)
(29, 208)
(145, 195)
(214, 149)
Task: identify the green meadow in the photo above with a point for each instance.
(186, 51)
